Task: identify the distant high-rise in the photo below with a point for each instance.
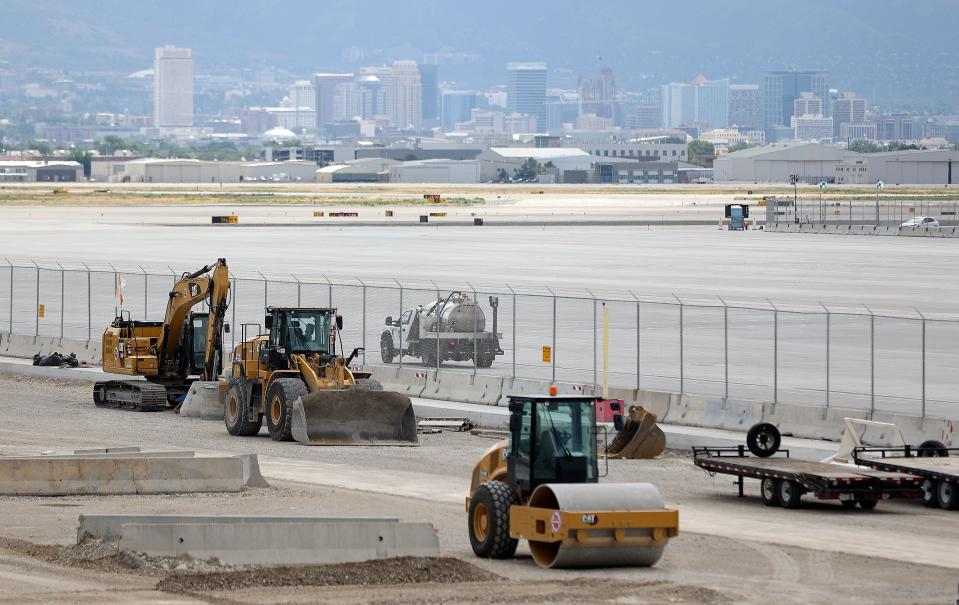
(404, 95)
(701, 102)
(457, 105)
(325, 87)
(371, 91)
(526, 90)
(600, 96)
(847, 109)
(807, 105)
(781, 88)
(745, 106)
(173, 87)
(430, 93)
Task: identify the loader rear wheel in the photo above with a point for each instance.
(489, 521)
(279, 406)
(236, 410)
(387, 352)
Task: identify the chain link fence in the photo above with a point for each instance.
(877, 211)
(826, 356)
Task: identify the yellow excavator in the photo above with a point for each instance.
(294, 378)
(541, 484)
(171, 354)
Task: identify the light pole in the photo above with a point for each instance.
(878, 189)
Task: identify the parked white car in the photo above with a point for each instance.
(921, 221)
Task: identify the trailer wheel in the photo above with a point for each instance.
(279, 406)
(489, 521)
(763, 439)
(769, 491)
(930, 493)
(932, 448)
(948, 495)
(387, 352)
(790, 493)
(867, 504)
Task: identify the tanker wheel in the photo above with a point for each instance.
(279, 406)
(489, 521)
(429, 354)
(484, 356)
(236, 410)
(387, 352)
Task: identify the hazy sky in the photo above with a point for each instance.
(881, 48)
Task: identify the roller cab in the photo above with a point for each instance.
(542, 486)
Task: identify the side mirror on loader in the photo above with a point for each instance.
(389, 320)
(226, 327)
(268, 322)
(339, 322)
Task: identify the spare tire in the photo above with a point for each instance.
(763, 439)
(932, 448)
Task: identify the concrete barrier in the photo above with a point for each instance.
(26, 368)
(456, 386)
(268, 540)
(915, 430)
(809, 422)
(202, 401)
(409, 381)
(71, 476)
(19, 345)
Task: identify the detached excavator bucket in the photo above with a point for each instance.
(640, 437)
(354, 417)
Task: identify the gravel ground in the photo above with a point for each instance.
(730, 549)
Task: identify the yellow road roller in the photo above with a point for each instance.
(541, 485)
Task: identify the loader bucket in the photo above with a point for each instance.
(354, 417)
(640, 438)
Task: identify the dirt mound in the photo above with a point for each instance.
(402, 570)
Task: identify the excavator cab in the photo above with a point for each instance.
(553, 440)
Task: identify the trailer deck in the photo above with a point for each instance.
(784, 480)
(939, 474)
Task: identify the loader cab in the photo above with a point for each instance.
(552, 440)
(299, 330)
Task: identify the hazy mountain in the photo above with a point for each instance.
(884, 49)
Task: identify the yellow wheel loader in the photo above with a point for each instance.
(541, 485)
(172, 353)
(293, 377)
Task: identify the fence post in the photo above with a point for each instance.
(513, 379)
(266, 285)
(363, 343)
(36, 314)
(682, 366)
(298, 298)
(10, 310)
(475, 347)
(89, 305)
(594, 340)
(725, 349)
(399, 320)
(329, 292)
(146, 315)
(61, 300)
(872, 362)
(828, 346)
(638, 341)
(233, 304)
(439, 325)
(775, 352)
(552, 356)
(922, 417)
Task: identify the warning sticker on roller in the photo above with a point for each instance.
(556, 522)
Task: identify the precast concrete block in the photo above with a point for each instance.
(807, 421)
(465, 387)
(202, 401)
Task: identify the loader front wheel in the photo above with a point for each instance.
(280, 396)
(489, 521)
(236, 410)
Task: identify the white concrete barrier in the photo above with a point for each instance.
(19, 345)
(457, 386)
(47, 476)
(409, 381)
(807, 421)
(202, 401)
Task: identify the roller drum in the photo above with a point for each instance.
(598, 497)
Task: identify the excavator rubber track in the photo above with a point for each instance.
(354, 417)
(135, 395)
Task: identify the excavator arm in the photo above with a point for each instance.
(190, 290)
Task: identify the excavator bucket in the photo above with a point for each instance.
(640, 437)
(354, 417)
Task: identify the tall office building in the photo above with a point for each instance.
(457, 105)
(430, 93)
(745, 106)
(526, 90)
(173, 87)
(807, 105)
(781, 88)
(600, 96)
(847, 109)
(371, 92)
(701, 102)
(404, 95)
(325, 90)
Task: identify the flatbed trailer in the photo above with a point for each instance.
(938, 473)
(785, 480)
